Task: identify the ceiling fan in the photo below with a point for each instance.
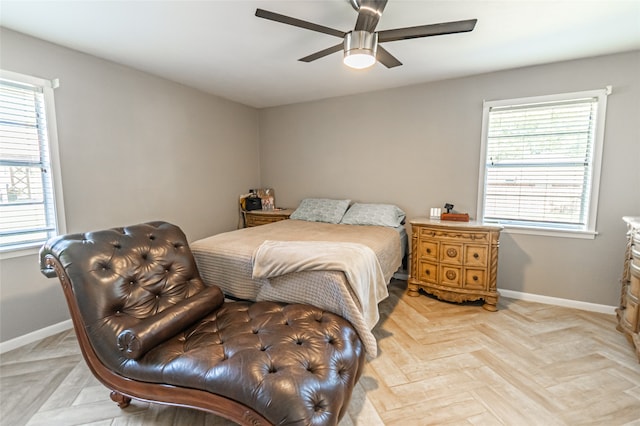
(361, 46)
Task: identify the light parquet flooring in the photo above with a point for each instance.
(439, 364)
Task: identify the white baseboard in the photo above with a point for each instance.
(567, 303)
(34, 336)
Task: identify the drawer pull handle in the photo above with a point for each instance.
(476, 255)
(451, 275)
(428, 272)
(475, 278)
(428, 251)
(452, 252)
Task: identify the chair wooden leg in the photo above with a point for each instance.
(120, 399)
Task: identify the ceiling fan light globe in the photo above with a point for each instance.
(360, 49)
(359, 59)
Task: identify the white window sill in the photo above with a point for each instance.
(548, 232)
(20, 252)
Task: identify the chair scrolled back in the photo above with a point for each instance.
(122, 276)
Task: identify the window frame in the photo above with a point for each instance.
(589, 230)
(48, 87)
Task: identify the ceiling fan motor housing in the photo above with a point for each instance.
(360, 48)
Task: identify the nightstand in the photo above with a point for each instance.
(262, 217)
(455, 261)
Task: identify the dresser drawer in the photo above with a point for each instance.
(451, 253)
(631, 314)
(475, 278)
(427, 232)
(263, 217)
(451, 276)
(428, 250)
(635, 254)
(475, 255)
(428, 272)
(260, 220)
(634, 281)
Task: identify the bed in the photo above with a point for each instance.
(227, 260)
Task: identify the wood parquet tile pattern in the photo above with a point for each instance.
(439, 364)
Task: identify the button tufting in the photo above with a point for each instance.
(319, 406)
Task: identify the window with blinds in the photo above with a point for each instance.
(27, 202)
(540, 167)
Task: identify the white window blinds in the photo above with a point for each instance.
(27, 204)
(539, 163)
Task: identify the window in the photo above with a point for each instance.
(540, 163)
(30, 192)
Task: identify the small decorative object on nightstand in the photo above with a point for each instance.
(262, 217)
(629, 311)
(455, 261)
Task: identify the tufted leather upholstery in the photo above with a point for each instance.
(149, 318)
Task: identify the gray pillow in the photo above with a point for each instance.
(374, 214)
(321, 210)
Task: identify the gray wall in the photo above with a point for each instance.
(419, 147)
(133, 148)
(136, 147)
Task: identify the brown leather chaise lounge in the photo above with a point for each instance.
(150, 329)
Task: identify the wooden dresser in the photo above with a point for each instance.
(262, 217)
(455, 261)
(629, 311)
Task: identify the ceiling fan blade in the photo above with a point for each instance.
(322, 53)
(386, 58)
(261, 13)
(369, 14)
(427, 30)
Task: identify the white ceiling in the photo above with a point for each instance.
(220, 47)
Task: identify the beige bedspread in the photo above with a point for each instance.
(226, 260)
